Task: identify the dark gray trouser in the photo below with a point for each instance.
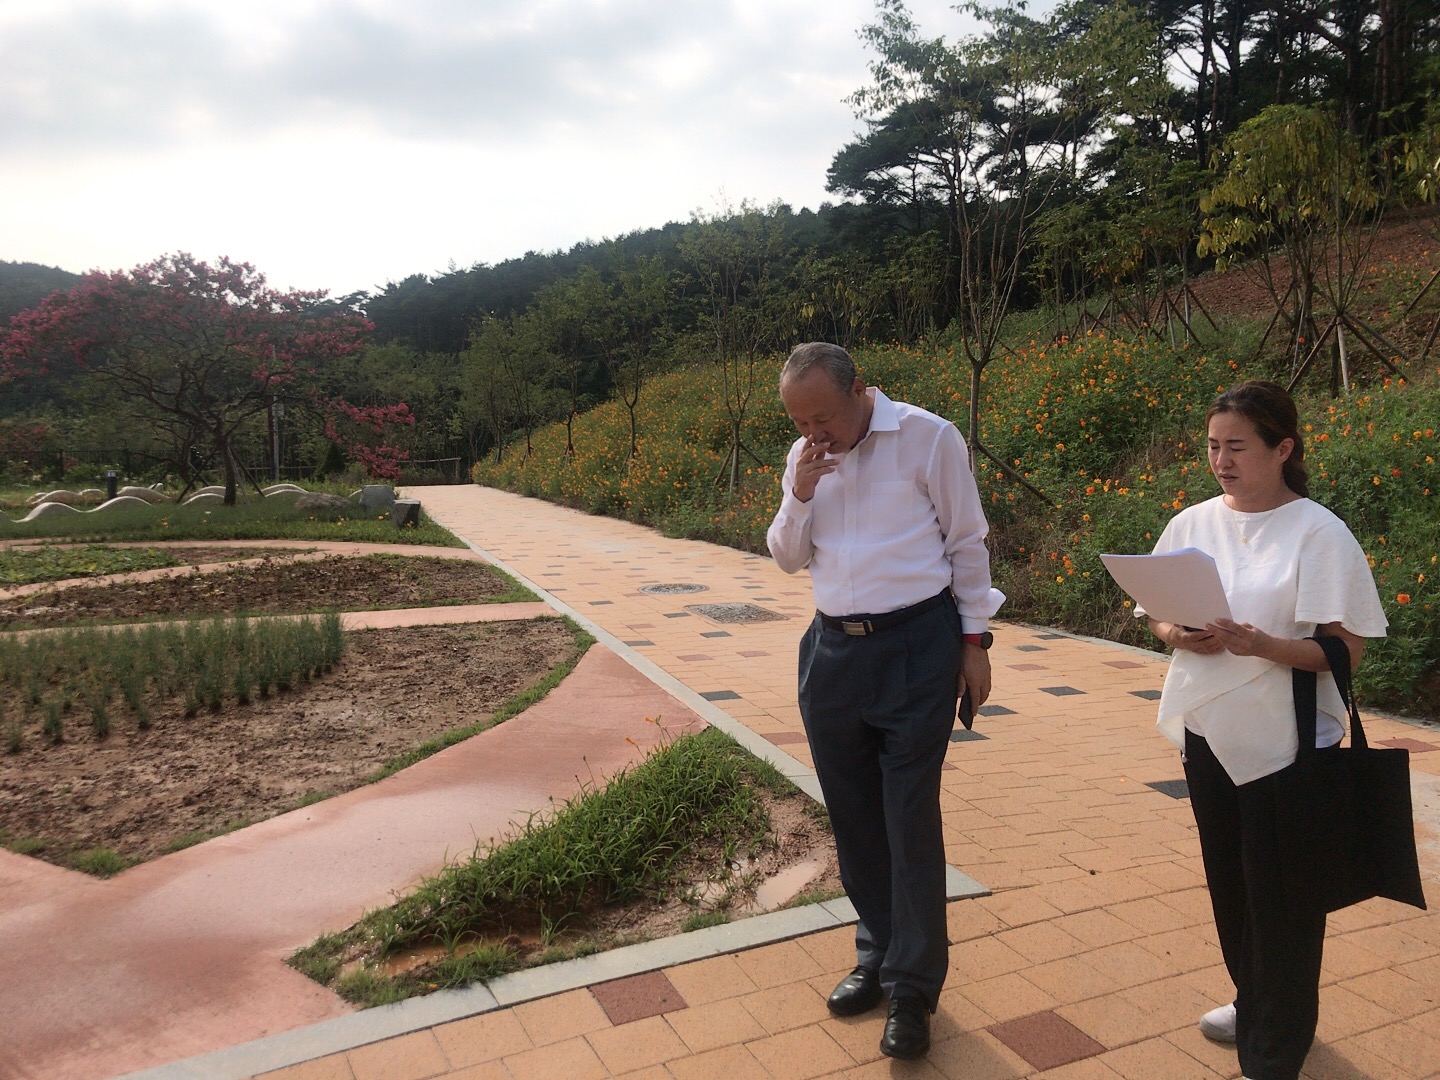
(878, 712)
(1272, 953)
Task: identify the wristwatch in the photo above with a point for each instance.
(984, 640)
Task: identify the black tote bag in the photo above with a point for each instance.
(1343, 813)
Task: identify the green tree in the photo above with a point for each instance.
(641, 302)
(737, 260)
(1293, 193)
(837, 297)
(508, 375)
(577, 325)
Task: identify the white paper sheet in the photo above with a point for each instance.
(1181, 587)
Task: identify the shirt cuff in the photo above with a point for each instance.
(973, 623)
(793, 508)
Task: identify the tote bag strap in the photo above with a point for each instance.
(1304, 683)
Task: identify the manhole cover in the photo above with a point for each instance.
(734, 613)
(671, 590)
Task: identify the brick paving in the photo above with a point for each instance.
(1093, 957)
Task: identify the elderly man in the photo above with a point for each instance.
(880, 503)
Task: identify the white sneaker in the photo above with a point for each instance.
(1219, 1024)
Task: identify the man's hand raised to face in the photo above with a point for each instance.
(813, 463)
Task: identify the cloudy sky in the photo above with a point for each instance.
(340, 144)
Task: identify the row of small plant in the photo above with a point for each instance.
(54, 684)
(1108, 431)
(692, 802)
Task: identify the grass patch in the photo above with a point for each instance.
(100, 862)
(807, 897)
(24, 845)
(320, 960)
(199, 836)
(270, 519)
(691, 802)
(26, 566)
(702, 919)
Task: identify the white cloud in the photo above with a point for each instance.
(342, 143)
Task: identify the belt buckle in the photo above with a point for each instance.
(857, 629)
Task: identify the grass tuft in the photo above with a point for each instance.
(636, 837)
(101, 862)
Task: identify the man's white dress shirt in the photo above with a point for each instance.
(896, 522)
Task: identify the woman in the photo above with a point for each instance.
(1290, 569)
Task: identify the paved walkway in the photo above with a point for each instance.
(1091, 959)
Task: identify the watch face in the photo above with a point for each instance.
(987, 639)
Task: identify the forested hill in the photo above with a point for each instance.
(25, 284)
(435, 314)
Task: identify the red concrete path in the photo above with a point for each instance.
(185, 954)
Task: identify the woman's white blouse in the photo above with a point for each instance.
(1285, 571)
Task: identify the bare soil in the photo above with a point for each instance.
(1241, 291)
(276, 585)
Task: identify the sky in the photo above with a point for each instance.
(343, 144)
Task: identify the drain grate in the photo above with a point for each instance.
(1176, 789)
(735, 613)
(672, 590)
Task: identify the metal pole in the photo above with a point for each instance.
(277, 410)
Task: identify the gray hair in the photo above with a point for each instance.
(834, 361)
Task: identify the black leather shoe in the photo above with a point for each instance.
(858, 992)
(907, 1028)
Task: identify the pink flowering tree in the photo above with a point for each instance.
(202, 352)
(362, 430)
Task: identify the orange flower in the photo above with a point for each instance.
(1402, 598)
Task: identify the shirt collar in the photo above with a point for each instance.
(884, 416)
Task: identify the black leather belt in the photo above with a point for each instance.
(861, 625)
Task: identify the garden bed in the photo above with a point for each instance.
(277, 585)
(139, 793)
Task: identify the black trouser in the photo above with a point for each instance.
(878, 712)
(1272, 952)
